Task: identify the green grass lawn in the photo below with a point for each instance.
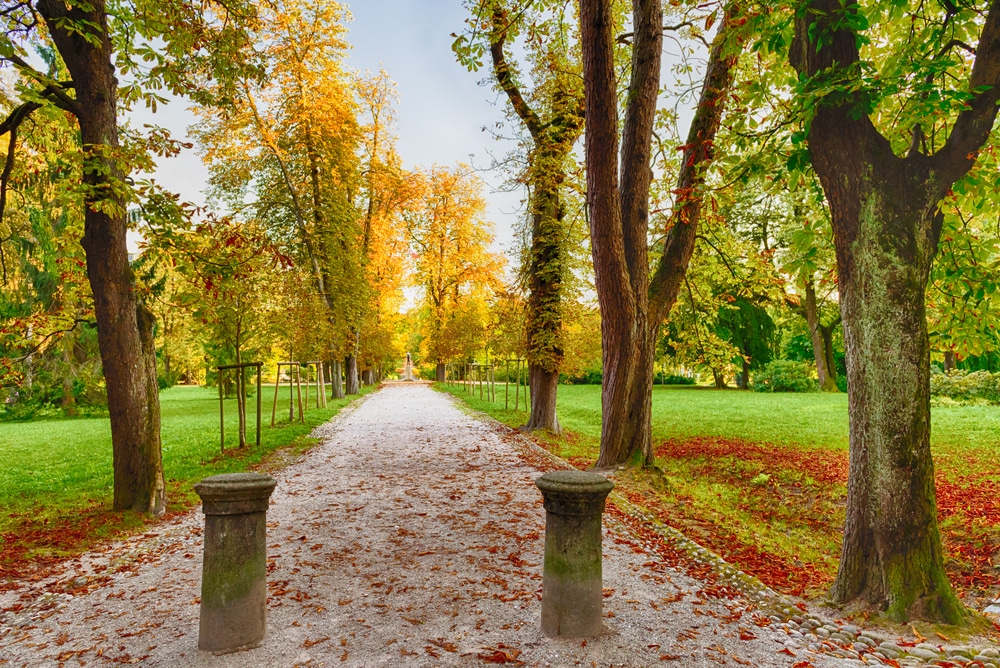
(760, 478)
(58, 469)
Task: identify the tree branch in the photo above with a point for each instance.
(678, 245)
(501, 70)
(975, 122)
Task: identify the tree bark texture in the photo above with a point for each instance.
(439, 372)
(886, 226)
(554, 130)
(124, 327)
(826, 382)
(632, 305)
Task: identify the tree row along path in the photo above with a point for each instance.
(411, 536)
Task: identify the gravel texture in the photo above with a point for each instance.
(412, 536)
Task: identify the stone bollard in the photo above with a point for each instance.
(233, 579)
(571, 579)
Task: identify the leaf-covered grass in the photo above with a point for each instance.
(761, 478)
(56, 478)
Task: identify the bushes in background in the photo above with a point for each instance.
(966, 386)
(785, 376)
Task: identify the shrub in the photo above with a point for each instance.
(785, 376)
(966, 387)
(586, 377)
(673, 379)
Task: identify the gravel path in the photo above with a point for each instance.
(411, 537)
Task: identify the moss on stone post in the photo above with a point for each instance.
(571, 580)
(233, 581)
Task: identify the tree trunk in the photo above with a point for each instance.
(891, 556)
(632, 304)
(369, 377)
(949, 360)
(743, 381)
(887, 222)
(124, 327)
(719, 378)
(68, 400)
(552, 139)
(831, 363)
(439, 372)
(546, 270)
(351, 374)
(826, 382)
(619, 218)
(241, 400)
(543, 386)
(337, 380)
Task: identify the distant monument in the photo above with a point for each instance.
(408, 369)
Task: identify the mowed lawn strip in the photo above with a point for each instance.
(56, 478)
(761, 478)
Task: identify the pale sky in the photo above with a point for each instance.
(441, 112)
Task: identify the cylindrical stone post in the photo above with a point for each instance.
(571, 579)
(233, 579)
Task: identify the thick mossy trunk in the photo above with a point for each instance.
(886, 215)
(891, 557)
(351, 374)
(544, 317)
(544, 390)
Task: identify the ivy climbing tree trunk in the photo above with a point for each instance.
(886, 224)
(124, 326)
(554, 126)
(633, 305)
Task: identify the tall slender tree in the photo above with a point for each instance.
(552, 113)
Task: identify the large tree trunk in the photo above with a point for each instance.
(439, 372)
(124, 327)
(891, 555)
(619, 219)
(543, 386)
(632, 305)
(351, 374)
(826, 382)
(544, 317)
(886, 222)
